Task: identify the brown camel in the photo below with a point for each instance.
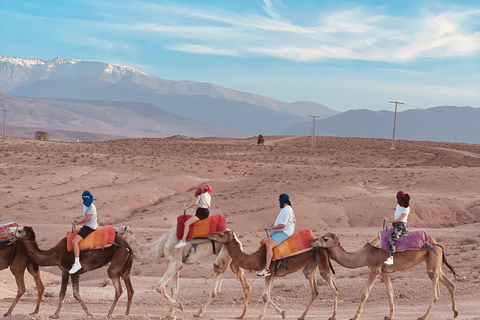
(165, 247)
(309, 261)
(119, 255)
(13, 255)
(373, 258)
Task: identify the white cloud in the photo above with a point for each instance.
(202, 50)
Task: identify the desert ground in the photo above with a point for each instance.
(342, 185)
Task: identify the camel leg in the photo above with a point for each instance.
(245, 286)
(35, 272)
(327, 275)
(130, 291)
(20, 279)
(371, 280)
(311, 276)
(451, 288)
(388, 284)
(219, 270)
(118, 292)
(76, 293)
(172, 269)
(266, 299)
(63, 291)
(434, 276)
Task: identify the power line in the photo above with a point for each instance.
(313, 130)
(394, 121)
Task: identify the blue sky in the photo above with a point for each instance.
(344, 54)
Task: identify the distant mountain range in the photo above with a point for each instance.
(446, 123)
(89, 80)
(97, 101)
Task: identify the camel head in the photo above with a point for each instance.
(124, 232)
(326, 241)
(223, 236)
(25, 233)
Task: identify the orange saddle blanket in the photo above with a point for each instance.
(4, 227)
(201, 228)
(299, 242)
(101, 238)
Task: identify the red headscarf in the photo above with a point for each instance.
(203, 189)
(403, 199)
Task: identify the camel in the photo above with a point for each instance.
(13, 255)
(119, 255)
(165, 247)
(309, 261)
(373, 258)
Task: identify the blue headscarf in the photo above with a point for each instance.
(87, 198)
(283, 199)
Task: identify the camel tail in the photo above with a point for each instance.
(128, 264)
(444, 260)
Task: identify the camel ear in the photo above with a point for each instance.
(30, 233)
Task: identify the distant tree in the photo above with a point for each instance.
(260, 140)
(42, 135)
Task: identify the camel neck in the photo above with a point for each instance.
(254, 261)
(50, 257)
(152, 250)
(350, 260)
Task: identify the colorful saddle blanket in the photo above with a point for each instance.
(298, 243)
(103, 237)
(4, 227)
(412, 240)
(201, 228)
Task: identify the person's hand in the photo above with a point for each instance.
(75, 222)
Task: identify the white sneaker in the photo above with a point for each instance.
(264, 273)
(389, 261)
(75, 268)
(181, 244)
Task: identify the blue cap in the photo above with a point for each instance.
(283, 199)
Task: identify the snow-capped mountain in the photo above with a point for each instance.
(18, 73)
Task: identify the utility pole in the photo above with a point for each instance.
(313, 130)
(4, 127)
(394, 121)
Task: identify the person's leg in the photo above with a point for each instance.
(76, 251)
(270, 245)
(186, 229)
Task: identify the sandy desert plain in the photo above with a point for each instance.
(343, 185)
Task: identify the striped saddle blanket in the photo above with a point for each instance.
(201, 228)
(103, 237)
(4, 227)
(298, 243)
(411, 240)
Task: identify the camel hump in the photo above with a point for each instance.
(102, 237)
(411, 240)
(201, 228)
(298, 243)
(4, 227)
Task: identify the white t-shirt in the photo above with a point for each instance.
(286, 217)
(401, 210)
(92, 223)
(204, 201)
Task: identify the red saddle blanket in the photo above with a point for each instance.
(4, 227)
(201, 228)
(411, 240)
(299, 242)
(103, 237)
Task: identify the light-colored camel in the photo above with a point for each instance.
(119, 256)
(197, 250)
(373, 258)
(309, 261)
(13, 255)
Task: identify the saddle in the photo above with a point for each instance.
(411, 240)
(101, 238)
(201, 228)
(4, 227)
(297, 243)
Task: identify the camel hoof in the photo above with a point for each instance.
(6, 314)
(197, 315)
(283, 314)
(455, 313)
(180, 306)
(54, 316)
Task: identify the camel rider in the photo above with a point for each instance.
(399, 223)
(280, 230)
(90, 224)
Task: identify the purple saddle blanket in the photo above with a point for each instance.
(411, 240)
